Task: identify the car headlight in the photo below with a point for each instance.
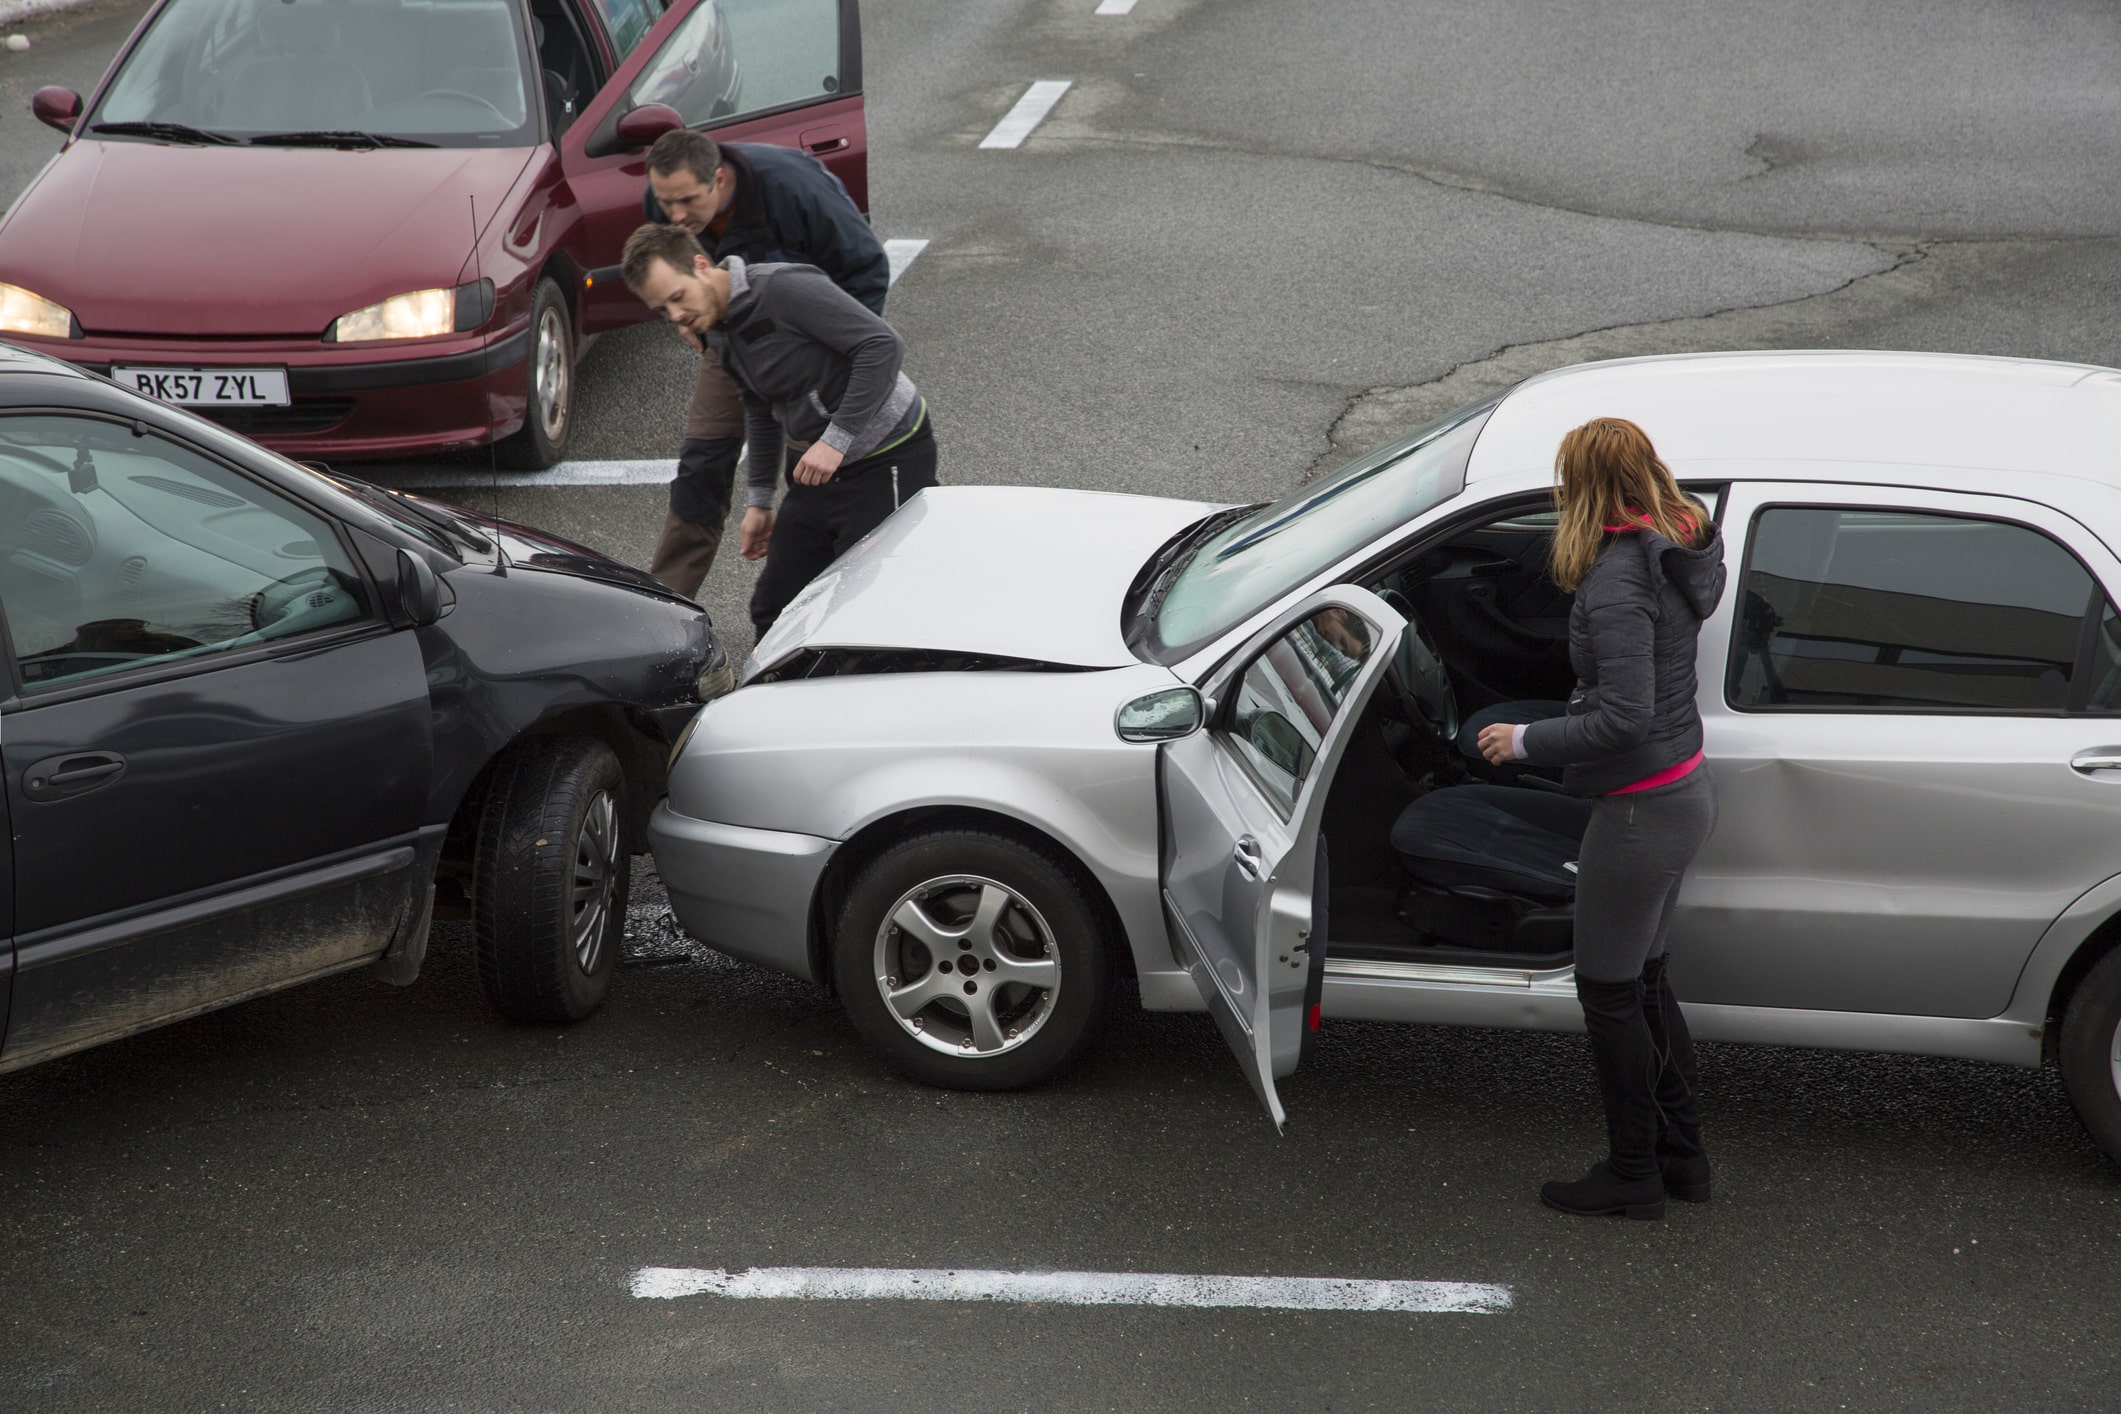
(26, 312)
(716, 676)
(421, 314)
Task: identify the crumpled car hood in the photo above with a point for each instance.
(1012, 571)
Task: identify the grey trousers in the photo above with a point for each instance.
(1634, 855)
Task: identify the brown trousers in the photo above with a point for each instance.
(686, 551)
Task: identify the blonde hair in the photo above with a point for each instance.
(1607, 473)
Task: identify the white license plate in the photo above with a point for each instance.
(209, 387)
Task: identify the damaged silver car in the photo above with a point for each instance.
(1020, 743)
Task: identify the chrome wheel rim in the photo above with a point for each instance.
(2113, 1060)
(554, 374)
(966, 966)
(596, 877)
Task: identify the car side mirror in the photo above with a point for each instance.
(56, 107)
(419, 590)
(1165, 715)
(640, 127)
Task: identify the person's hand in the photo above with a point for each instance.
(699, 345)
(755, 533)
(1495, 744)
(818, 463)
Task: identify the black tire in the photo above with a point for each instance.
(1047, 916)
(542, 955)
(542, 441)
(2090, 1052)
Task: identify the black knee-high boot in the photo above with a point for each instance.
(1627, 1180)
(1681, 1157)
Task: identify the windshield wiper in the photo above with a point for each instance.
(1156, 577)
(388, 500)
(167, 131)
(335, 137)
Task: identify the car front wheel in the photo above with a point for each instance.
(2090, 1052)
(550, 415)
(550, 879)
(971, 961)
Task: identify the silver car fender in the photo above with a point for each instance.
(842, 758)
(2052, 955)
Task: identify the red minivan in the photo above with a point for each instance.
(385, 228)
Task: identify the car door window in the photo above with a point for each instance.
(1846, 609)
(628, 20)
(119, 550)
(1288, 697)
(745, 57)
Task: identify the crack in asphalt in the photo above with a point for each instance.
(1078, 132)
(1375, 415)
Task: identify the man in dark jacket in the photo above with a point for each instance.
(765, 205)
(817, 374)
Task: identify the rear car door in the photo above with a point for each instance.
(1907, 696)
(216, 747)
(1241, 808)
(787, 72)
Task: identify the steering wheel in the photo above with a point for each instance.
(306, 591)
(1417, 675)
(461, 95)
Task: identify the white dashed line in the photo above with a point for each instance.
(900, 254)
(1071, 1289)
(1029, 112)
(1115, 7)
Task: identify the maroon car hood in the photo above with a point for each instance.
(142, 238)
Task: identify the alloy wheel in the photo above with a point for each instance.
(596, 873)
(967, 966)
(554, 371)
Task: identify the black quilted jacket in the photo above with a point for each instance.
(1631, 641)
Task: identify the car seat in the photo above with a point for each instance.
(1515, 714)
(1490, 867)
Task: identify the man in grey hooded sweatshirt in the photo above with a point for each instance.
(820, 376)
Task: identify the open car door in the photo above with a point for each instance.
(785, 72)
(1241, 803)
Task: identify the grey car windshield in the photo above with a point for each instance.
(1247, 566)
(445, 72)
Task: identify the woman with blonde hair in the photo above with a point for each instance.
(1646, 565)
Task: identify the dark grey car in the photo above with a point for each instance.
(259, 724)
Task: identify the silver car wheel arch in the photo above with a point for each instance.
(992, 972)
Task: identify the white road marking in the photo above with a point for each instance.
(1115, 7)
(1071, 1289)
(1029, 112)
(585, 473)
(901, 254)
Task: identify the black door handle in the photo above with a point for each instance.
(59, 777)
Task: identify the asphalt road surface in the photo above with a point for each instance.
(1252, 236)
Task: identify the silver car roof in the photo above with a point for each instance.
(1822, 415)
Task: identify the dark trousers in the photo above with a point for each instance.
(815, 525)
(699, 510)
(1634, 856)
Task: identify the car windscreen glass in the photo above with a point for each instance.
(447, 72)
(1249, 565)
